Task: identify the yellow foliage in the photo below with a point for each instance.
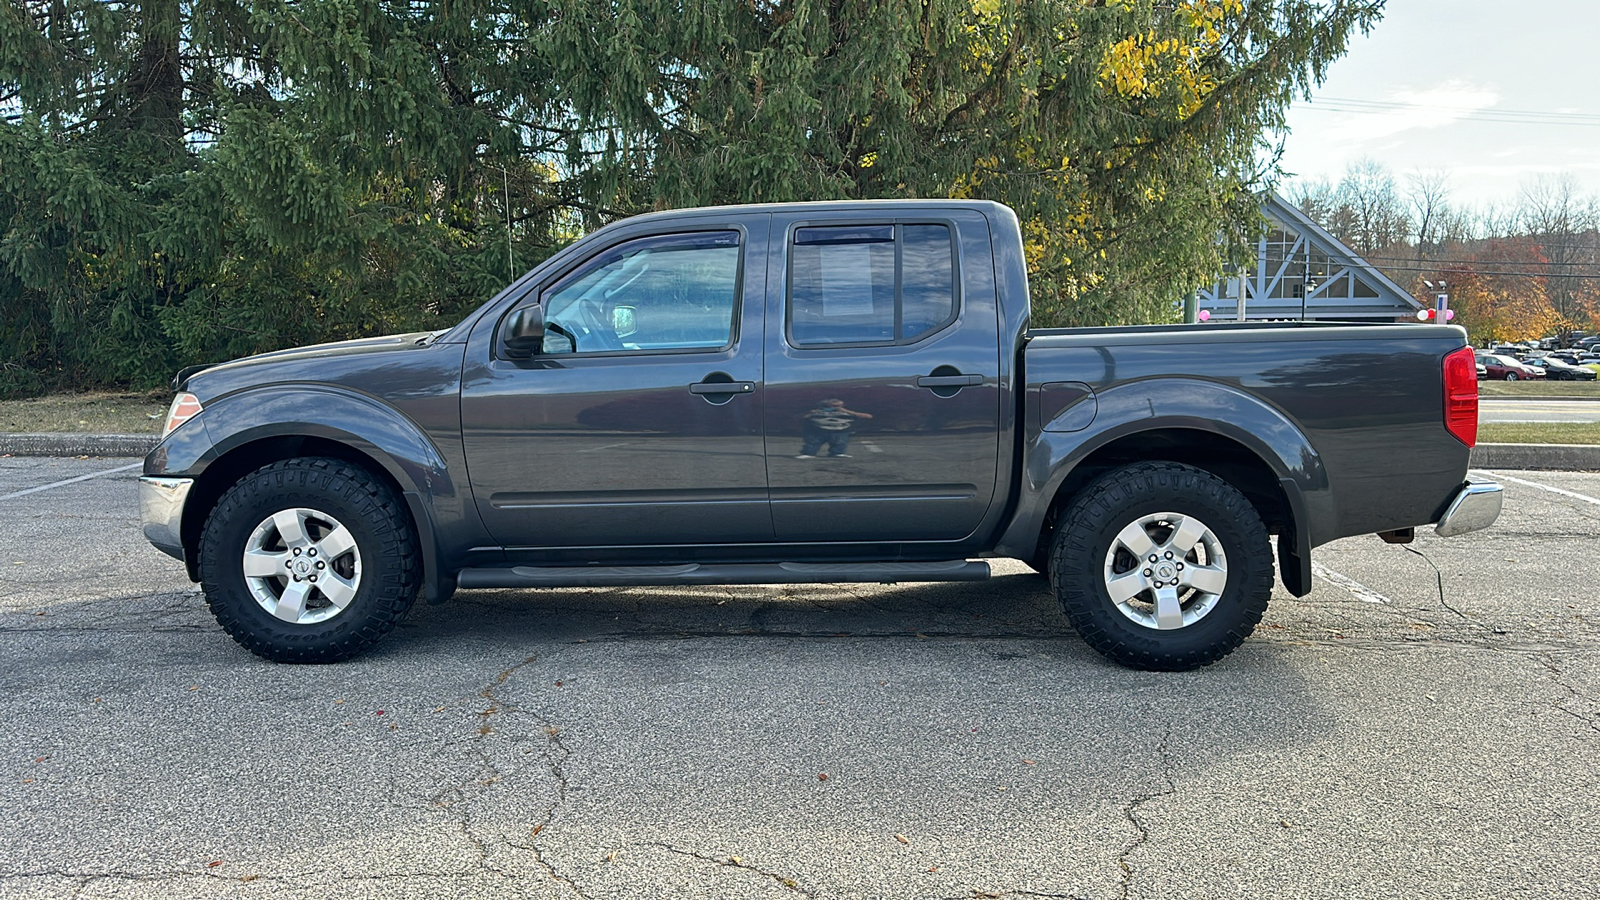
(1147, 66)
(1499, 309)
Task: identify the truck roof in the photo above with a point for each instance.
(819, 207)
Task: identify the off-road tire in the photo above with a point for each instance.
(1093, 521)
(384, 538)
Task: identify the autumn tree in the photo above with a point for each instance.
(1564, 225)
(1364, 209)
(1495, 297)
(1528, 269)
(1437, 225)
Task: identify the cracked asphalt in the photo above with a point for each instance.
(1425, 733)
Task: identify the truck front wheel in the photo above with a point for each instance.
(308, 560)
(1162, 566)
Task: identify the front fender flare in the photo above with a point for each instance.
(366, 425)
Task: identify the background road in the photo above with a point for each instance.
(1396, 733)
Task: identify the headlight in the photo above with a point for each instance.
(184, 407)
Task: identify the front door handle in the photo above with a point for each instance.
(948, 381)
(722, 387)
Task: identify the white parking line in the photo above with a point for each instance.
(1543, 487)
(1356, 588)
(56, 484)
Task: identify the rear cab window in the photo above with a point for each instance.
(870, 285)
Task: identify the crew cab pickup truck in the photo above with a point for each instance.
(817, 392)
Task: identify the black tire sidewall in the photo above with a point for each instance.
(1091, 526)
(360, 504)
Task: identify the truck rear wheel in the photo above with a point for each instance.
(308, 560)
(1162, 566)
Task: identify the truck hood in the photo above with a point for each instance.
(278, 364)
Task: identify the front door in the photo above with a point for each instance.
(883, 399)
(639, 421)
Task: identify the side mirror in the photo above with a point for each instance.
(524, 332)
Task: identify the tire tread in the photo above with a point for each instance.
(1098, 507)
(391, 568)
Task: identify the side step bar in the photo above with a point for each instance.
(723, 573)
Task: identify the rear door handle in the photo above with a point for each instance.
(940, 381)
(722, 387)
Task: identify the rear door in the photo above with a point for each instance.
(883, 401)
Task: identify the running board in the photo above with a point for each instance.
(723, 573)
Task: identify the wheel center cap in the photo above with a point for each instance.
(1166, 571)
(303, 567)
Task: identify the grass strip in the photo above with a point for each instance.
(1539, 432)
(91, 413)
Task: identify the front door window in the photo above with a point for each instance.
(656, 294)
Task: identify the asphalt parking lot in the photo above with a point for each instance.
(1404, 731)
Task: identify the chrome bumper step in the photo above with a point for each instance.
(1475, 506)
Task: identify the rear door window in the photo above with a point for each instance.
(865, 285)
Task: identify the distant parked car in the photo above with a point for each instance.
(1557, 370)
(1504, 368)
(1482, 372)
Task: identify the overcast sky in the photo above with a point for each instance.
(1491, 90)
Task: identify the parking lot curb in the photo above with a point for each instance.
(1564, 457)
(15, 444)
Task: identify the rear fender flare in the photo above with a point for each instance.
(1152, 405)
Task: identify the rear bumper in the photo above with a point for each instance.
(1475, 506)
(161, 511)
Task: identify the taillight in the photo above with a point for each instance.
(184, 408)
(1461, 396)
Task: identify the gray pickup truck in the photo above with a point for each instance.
(817, 392)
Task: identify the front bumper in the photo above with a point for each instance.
(161, 510)
(1475, 506)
